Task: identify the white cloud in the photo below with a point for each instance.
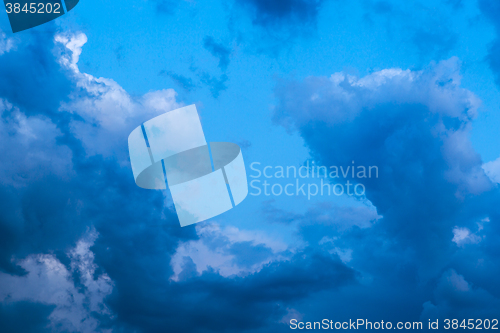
(341, 98)
(6, 44)
(463, 236)
(360, 214)
(49, 282)
(213, 250)
(351, 94)
(492, 170)
(291, 314)
(345, 254)
(106, 104)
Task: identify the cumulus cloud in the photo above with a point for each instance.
(50, 282)
(31, 145)
(143, 272)
(433, 94)
(104, 103)
(430, 193)
(58, 180)
(222, 250)
(454, 297)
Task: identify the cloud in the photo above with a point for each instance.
(65, 170)
(426, 30)
(491, 10)
(6, 44)
(184, 82)
(40, 87)
(215, 85)
(166, 6)
(415, 126)
(340, 217)
(228, 251)
(433, 94)
(12, 314)
(101, 102)
(462, 236)
(31, 145)
(143, 272)
(217, 50)
(171, 7)
(454, 297)
(492, 170)
(456, 4)
(436, 43)
(270, 27)
(244, 144)
(291, 314)
(282, 12)
(49, 282)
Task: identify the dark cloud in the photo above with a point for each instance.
(275, 214)
(24, 317)
(424, 29)
(171, 7)
(244, 144)
(414, 126)
(183, 81)
(66, 172)
(282, 12)
(217, 50)
(456, 297)
(210, 303)
(216, 85)
(435, 43)
(491, 9)
(166, 6)
(37, 88)
(270, 27)
(119, 52)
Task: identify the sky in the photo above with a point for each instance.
(410, 88)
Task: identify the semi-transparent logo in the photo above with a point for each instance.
(205, 180)
(26, 14)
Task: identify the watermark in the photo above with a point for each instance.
(357, 324)
(310, 180)
(205, 179)
(26, 14)
(365, 324)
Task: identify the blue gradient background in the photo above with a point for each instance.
(410, 87)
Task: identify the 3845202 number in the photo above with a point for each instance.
(33, 8)
(471, 324)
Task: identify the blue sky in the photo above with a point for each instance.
(412, 88)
